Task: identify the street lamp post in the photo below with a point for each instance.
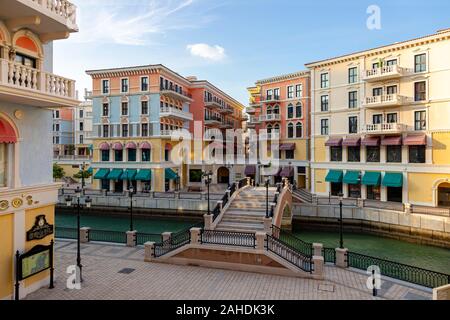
(207, 176)
(78, 194)
(130, 192)
(83, 168)
(267, 198)
(341, 240)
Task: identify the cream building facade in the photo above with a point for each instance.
(381, 123)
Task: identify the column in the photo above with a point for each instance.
(405, 194)
(383, 190)
(363, 154)
(383, 154)
(363, 188)
(344, 154)
(405, 154)
(138, 155)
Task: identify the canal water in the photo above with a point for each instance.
(423, 256)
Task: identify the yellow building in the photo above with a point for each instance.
(381, 123)
(28, 90)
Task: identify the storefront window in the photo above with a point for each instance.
(416, 154)
(353, 154)
(354, 190)
(373, 154)
(373, 193)
(2, 165)
(394, 153)
(336, 188)
(336, 153)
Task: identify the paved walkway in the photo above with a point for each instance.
(118, 272)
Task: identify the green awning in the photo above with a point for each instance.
(393, 179)
(144, 175)
(170, 174)
(115, 174)
(334, 176)
(129, 174)
(101, 174)
(371, 179)
(90, 170)
(352, 177)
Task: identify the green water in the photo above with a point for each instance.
(101, 222)
(423, 256)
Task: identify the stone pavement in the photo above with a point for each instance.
(118, 272)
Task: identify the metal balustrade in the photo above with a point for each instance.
(176, 241)
(107, 236)
(288, 253)
(230, 238)
(329, 254)
(142, 237)
(303, 247)
(66, 233)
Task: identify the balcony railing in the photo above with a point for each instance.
(71, 157)
(166, 133)
(225, 110)
(211, 120)
(176, 94)
(175, 112)
(385, 128)
(271, 99)
(384, 101)
(212, 104)
(270, 117)
(386, 72)
(32, 80)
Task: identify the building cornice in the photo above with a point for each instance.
(210, 86)
(289, 76)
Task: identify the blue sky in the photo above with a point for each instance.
(232, 43)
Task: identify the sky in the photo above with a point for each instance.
(233, 43)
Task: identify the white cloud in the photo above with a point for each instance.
(132, 22)
(203, 50)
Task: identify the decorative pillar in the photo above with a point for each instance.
(260, 237)
(208, 220)
(195, 235)
(166, 236)
(131, 238)
(318, 262)
(341, 257)
(317, 249)
(84, 234)
(149, 248)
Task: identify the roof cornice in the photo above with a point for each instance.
(289, 76)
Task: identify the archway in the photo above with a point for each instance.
(223, 175)
(443, 194)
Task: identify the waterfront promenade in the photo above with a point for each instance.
(119, 272)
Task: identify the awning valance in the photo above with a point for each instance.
(128, 174)
(371, 179)
(393, 179)
(334, 176)
(170, 174)
(352, 177)
(130, 145)
(415, 140)
(250, 170)
(352, 141)
(392, 141)
(287, 146)
(145, 145)
(370, 141)
(334, 142)
(7, 132)
(101, 174)
(104, 146)
(115, 174)
(117, 146)
(144, 175)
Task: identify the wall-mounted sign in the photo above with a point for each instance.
(40, 230)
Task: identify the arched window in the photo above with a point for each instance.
(276, 128)
(269, 110)
(290, 111)
(276, 109)
(298, 110)
(299, 130)
(8, 137)
(269, 128)
(290, 131)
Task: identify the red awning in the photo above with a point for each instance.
(145, 146)
(415, 140)
(131, 145)
(371, 141)
(250, 170)
(334, 142)
(7, 133)
(352, 141)
(117, 146)
(287, 172)
(392, 141)
(287, 146)
(104, 146)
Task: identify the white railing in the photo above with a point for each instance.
(168, 111)
(383, 71)
(71, 157)
(270, 117)
(61, 8)
(166, 133)
(385, 127)
(20, 76)
(388, 99)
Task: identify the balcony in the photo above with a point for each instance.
(212, 121)
(223, 110)
(174, 94)
(226, 125)
(171, 112)
(250, 110)
(270, 99)
(389, 100)
(383, 73)
(21, 84)
(270, 117)
(51, 19)
(166, 133)
(212, 104)
(384, 128)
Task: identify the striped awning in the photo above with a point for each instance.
(7, 133)
(370, 141)
(352, 141)
(131, 145)
(101, 174)
(170, 174)
(104, 146)
(145, 145)
(392, 141)
(334, 142)
(287, 146)
(415, 140)
(117, 146)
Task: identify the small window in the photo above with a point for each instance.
(105, 86)
(132, 155)
(353, 154)
(105, 155)
(25, 60)
(144, 84)
(81, 139)
(124, 130)
(324, 103)
(299, 130)
(118, 155)
(299, 91)
(290, 130)
(298, 110)
(352, 124)
(335, 153)
(373, 154)
(352, 75)
(146, 155)
(124, 108)
(377, 92)
(105, 131)
(276, 93)
(57, 127)
(391, 118)
(290, 111)
(324, 127)
(391, 62)
(324, 80)
(144, 130)
(394, 154)
(289, 154)
(3, 164)
(105, 111)
(81, 113)
(420, 120)
(420, 91)
(269, 94)
(81, 126)
(290, 92)
(377, 119)
(420, 62)
(391, 90)
(144, 107)
(124, 85)
(353, 99)
(416, 154)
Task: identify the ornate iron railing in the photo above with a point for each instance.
(288, 253)
(242, 183)
(329, 255)
(230, 238)
(423, 277)
(297, 244)
(66, 233)
(176, 241)
(216, 212)
(142, 238)
(107, 236)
